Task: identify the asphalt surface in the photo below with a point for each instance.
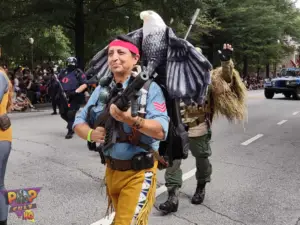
(257, 183)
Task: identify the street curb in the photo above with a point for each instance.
(42, 105)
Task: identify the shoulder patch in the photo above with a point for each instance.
(160, 106)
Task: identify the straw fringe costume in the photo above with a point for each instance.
(228, 93)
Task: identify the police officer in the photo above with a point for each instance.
(130, 168)
(199, 120)
(69, 97)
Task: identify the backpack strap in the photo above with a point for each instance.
(143, 100)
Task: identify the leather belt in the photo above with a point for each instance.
(117, 164)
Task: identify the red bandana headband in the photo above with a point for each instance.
(124, 44)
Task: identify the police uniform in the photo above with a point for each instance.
(199, 120)
(131, 192)
(70, 80)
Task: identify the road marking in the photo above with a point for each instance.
(295, 113)
(252, 139)
(108, 220)
(281, 122)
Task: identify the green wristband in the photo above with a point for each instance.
(89, 135)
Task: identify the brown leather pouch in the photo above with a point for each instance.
(4, 122)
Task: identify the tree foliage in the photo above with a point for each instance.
(256, 28)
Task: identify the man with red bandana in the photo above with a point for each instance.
(131, 163)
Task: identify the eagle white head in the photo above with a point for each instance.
(152, 22)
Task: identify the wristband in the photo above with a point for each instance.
(89, 136)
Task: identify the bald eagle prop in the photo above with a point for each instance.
(179, 69)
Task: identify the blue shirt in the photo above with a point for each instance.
(155, 109)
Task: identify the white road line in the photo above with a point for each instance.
(252, 139)
(295, 113)
(108, 220)
(281, 122)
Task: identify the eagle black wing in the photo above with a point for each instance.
(188, 71)
(98, 65)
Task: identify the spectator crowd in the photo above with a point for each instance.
(30, 87)
(34, 87)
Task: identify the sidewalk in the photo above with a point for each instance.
(37, 108)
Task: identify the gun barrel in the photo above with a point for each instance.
(139, 81)
(119, 86)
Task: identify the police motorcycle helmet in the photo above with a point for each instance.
(71, 61)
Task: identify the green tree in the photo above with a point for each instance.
(253, 27)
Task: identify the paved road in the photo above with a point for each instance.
(257, 183)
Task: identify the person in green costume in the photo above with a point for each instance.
(226, 96)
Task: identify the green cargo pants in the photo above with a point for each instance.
(200, 148)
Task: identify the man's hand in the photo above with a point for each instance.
(81, 88)
(226, 53)
(98, 135)
(124, 117)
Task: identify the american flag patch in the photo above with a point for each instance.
(160, 107)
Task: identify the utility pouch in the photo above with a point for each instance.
(4, 122)
(142, 161)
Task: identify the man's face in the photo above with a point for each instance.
(121, 60)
